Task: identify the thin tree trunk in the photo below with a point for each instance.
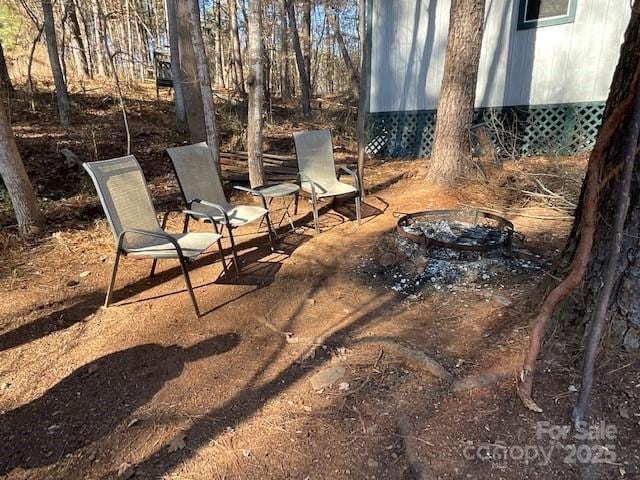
(304, 77)
(363, 93)
(176, 73)
(14, 176)
(285, 76)
(62, 96)
(191, 91)
(236, 55)
(204, 81)
(76, 36)
(452, 148)
(334, 21)
(98, 34)
(5, 79)
(305, 37)
(255, 82)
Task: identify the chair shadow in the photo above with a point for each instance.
(92, 401)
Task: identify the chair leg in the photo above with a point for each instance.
(359, 209)
(185, 226)
(272, 234)
(236, 263)
(295, 204)
(222, 259)
(314, 203)
(187, 281)
(112, 282)
(153, 268)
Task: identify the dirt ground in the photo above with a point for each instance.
(144, 389)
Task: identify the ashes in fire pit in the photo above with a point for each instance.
(448, 250)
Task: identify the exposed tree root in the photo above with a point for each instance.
(414, 358)
(480, 380)
(408, 441)
(582, 255)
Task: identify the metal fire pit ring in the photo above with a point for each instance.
(472, 216)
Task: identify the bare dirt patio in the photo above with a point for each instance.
(146, 390)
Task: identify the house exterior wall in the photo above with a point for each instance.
(567, 63)
(553, 80)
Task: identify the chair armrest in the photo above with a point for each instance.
(212, 205)
(301, 177)
(350, 173)
(165, 217)
(163, 235)
(193, 213)
(254, 192)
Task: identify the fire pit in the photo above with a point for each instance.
(465, 230)
(449, 250)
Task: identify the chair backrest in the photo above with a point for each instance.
(197, 174)
(314, 152)
(124, 196)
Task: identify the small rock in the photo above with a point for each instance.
(572, 388)
(326, 377)
(246, 452)
(310, 301)
(85, 274)
(4, 386)
(343, 386)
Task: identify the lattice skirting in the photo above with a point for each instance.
(561, 129)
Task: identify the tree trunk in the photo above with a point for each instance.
(204, 81)
(76, 36)
(285, 76)
(191, 91)
(236, 55)
(624, 307)
(305, 37)
(334, 21)
(304, 78)
(15, 179)
(62, 97)
(452, 148)
(255, 82)
(5, 79)
(176, 72)
(361, 133)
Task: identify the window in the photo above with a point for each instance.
(544, 13)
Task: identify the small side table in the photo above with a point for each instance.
(282, 191)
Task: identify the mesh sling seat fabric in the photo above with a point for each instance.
(317, 170)
(127, 204)
(202, 190)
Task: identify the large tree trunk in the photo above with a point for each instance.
(15, 179)
(204, 81)
(589, 250)
(176, 72)
(191, 91)
(5, 79)
(236, 55)
(334, 21)
(255, 83)
(62, 96)
(625, 303)
(302, 71)
(452, 149)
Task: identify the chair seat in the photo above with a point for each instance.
(238, 215)
(329, 189)
(192, 244)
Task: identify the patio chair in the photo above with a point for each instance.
(317, 170)
(204, 196)
(127, 204)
